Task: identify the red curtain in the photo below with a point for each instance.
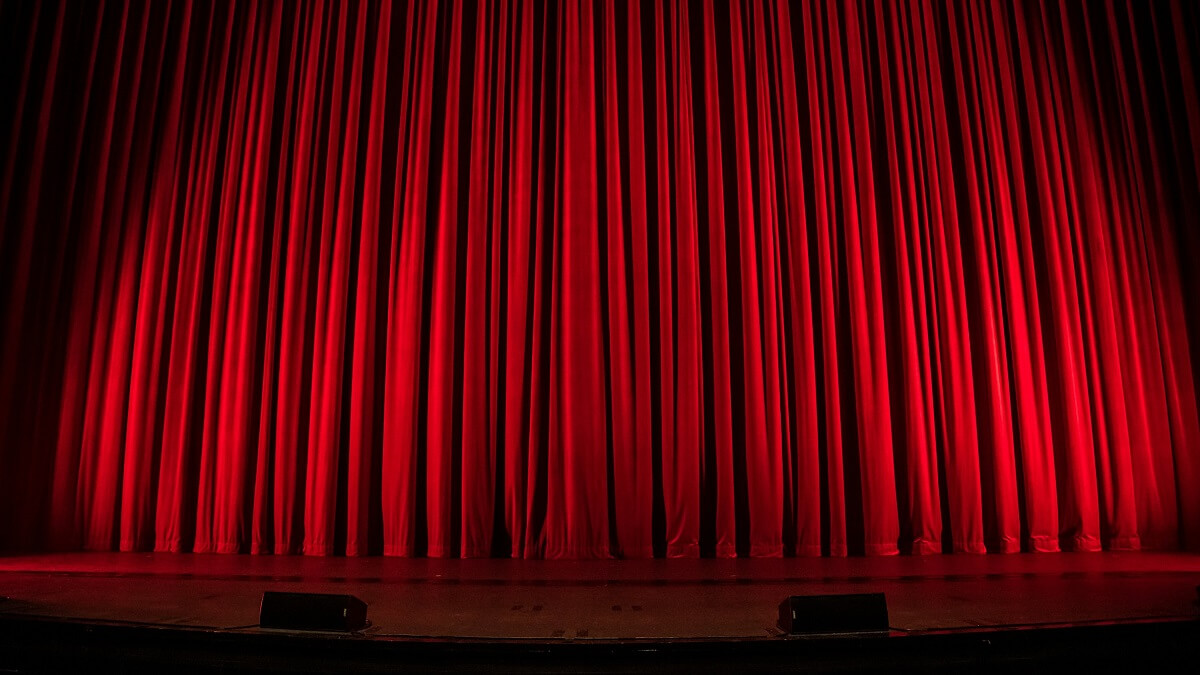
(591, 279)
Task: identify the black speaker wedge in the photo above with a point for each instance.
(312, 611)
(834, 614)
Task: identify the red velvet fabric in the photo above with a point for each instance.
(590, 279)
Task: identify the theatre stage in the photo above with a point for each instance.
(549, 603)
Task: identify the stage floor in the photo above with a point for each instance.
(603, 600)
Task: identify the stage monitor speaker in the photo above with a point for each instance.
(834, 614)
(312, 611)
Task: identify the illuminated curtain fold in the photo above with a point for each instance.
(591, 279)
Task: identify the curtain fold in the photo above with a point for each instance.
(599, 279)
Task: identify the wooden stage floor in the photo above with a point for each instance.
(603, 600)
